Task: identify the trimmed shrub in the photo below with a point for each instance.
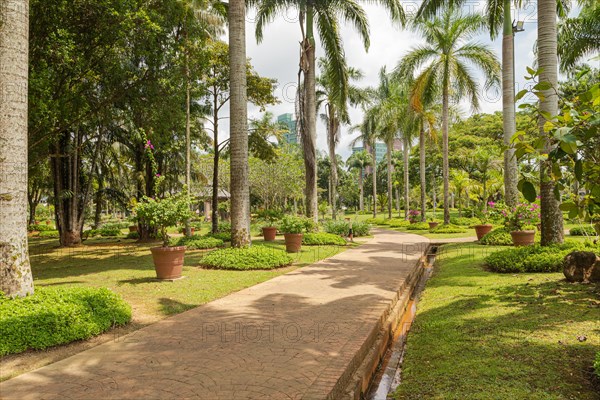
(342, 228)
(465, 221)
(115, 225)
(224, 236)
(398, 223)
(197, 242)
(534, 258)
(109, 231)
(224, 226)
(583, 231)
(133, 235)
(447, 229)
(40, 228)
(318, 239)
(378, 221)
(49, 234)
(248, 258)
(53, 316)
(419, 226)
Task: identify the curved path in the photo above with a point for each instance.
(297, 336)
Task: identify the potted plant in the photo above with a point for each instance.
(414, 216)
(521, 222)
(293, 231)
(133, 228)
(432, 223)
(161, 214)
(269, 230)
(485, 227)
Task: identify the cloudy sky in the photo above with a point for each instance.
(277, 57)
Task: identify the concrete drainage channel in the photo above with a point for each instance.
(388, 374)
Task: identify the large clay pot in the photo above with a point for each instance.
(133, 228)
(48, 222)
(482, 230)
(293, 242)
(168, 261)
(433, 224)
(523, 238)
(269, 233)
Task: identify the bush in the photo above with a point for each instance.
(534, 258)
(582, 231)
(197, 242)
(224, 226)
(419, 226)
(342, 228)
(248, 258)
(465, 221)
(398, 223)
(224, 236)
(501, 237)
(597, 364)
(40, 228)
(292, 224)
(318, 239)
(378, 221)
(116, 225)
(49, 234)
(133, 235)
(447, 229)
(55, 316)
(108, 231)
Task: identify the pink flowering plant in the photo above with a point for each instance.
(525, 216)
(414, 215)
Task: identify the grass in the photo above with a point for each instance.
(481, 335)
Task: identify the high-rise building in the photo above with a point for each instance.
(290, 137)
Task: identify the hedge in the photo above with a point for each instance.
(247, 258)
(40, 228)
(583, 231)
(53, 316)
(419, 226)
(465, 221)
(342, 228)
(321, 239)
(197, 242)
(447, 229)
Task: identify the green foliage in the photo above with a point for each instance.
(597, 364)
(133, 235)
(248, 258)
(40, 228)
(108, 231)
(522, 217)
(224, 227)
(447, 229)
(292, 224)
(583, 231)
(398, 223)
(419, 226)
(197, 242)
(164, 213)
(270, 216)
(497, 237)
(465, 221)
(378, 221)
(55, 316)
(320, 239)
(534, 258)
(49, 234)
(342, 228)
(116, 225)
(224, 236)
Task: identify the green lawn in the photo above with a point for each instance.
(126, 267)
(481, 335)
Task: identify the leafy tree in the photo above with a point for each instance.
(360, 161)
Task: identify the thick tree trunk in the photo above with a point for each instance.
(511, 192)
(15, 270)
(240, 192)
(188, 140)
(445, 166)
(214, 212)
(98, 200)
(389, 178)
(361, 198)
(422, 174)
(551, 216)
(405, 151)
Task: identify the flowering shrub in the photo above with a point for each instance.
(414, 215)
(164, 213)
(522, 216)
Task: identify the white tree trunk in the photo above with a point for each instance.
(15, 271)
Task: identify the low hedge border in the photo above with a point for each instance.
(447, 229)
(53, 316)
(582, 231)
(197, 242)
(322, 239)
(248, 258)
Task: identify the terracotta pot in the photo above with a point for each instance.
(413, 222)
(293, 242)
(48, 222)
(192, 230)
(523, 238)
(433, 224)
(482, 230)
(269, 233)
(168, 261)
(37, 222)
(133, 228)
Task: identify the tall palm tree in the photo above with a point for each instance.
(368, 134)
(240, 192)
(579, 36)
(443, 67)
(551, 216)
(360, 161)
(425, 120)
(324, 15)
(330, 96)
(15, 270)
(460, 184)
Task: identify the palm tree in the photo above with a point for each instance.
(551, 216)
(323, 15)
(580, 36)
(368, 132)
(446, 58)
(240, 192)
(485, 163)
(425, 124)
(15, 270)
(329, 95)
(360, 161)
(460, 183)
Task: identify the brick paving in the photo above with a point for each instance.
(293, 337)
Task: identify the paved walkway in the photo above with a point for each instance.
(292, 337)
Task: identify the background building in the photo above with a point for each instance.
(291, 137)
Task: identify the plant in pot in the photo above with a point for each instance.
(484, 227)
(161, 214)
(432, 223)
(269, 229)
(521, 222)
(414, 216)
(293, 231)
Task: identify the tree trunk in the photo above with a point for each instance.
(433, 193)
(15, 270)
(214, 214)
(445, 167)
(511, 192)
(309, 133)
(405, 151)
(389, 176)
(398, 200)
(551, 216)
(361, 198)
(240, 192)
(98, 200)
(422, 174)
(333, 128)
(188, 141)
(374, 182)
